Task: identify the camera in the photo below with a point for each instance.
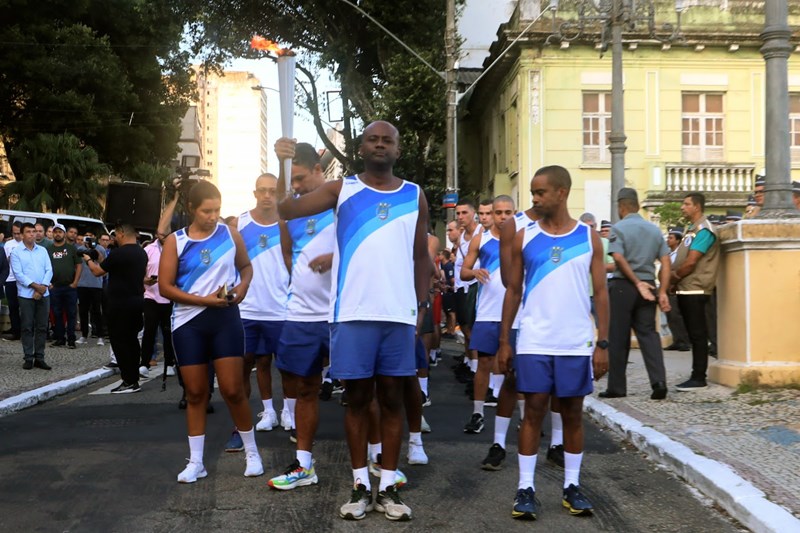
(89, 243)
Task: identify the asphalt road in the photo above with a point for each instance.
(105, 463)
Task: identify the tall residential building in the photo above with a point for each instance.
(232, 112)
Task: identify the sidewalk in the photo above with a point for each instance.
(755, 433)
(72, 369)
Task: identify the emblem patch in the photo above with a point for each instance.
(205, 256)
(311, 226)
(382, 212)
(263, 240)
(555, 254)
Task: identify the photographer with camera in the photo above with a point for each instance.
(125, 266)
(90, 294)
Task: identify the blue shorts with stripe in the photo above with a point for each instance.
(361, 349)
(303, 347)
(563, 376)
(215, 333)
(261, 336)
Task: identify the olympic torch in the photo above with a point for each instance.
(286, 67)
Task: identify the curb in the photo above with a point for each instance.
(718, 481)
(42, 394)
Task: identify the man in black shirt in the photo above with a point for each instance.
(126, 266)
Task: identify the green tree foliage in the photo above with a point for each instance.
(110, 72)
(670, 214)
(156, 175)
(56, 173)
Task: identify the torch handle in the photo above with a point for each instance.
(287, 176)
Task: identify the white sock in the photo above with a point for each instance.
(196, 445)
(501, 424)
(497, 384)
(477, 406)
(361, 477)
(423, 384)
(557, 429)
(387, 478)
(326, 374)
(374, 450)
(572, 468)
(268, 405)
(473, 365)
(304, 458)
(249, 440)
(521, 405)
(415, 439)
(432, 355)
(527, 467)
(466, 360)
(290, 403)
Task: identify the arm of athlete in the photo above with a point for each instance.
(511, 301)
(467, 272)
(507, 233)
(600, 285)
(422, 260)
(167, 272)
(286, 245)
(244, 267)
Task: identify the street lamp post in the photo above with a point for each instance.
(614, 17)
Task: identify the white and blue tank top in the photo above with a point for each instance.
(309, 291)
(491, 294)
(269, 291)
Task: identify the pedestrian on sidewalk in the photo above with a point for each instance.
(12, 298)
(157, 312)
(67, 266)
(680, 337)
(636, 245)
(31, 268)
(90, 294)
(693, 280)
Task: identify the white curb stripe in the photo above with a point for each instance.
(35, 396)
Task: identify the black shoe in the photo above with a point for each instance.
(9, 331)
(326, 391)
(111, 365)
(692, 385)
(426, 400)
(494, 460)
(293, 436)
(678, 347)
(10, 337)
(343, 399)
(576, 502)
(58, 343)
(71, 345)
(713, 353)
(525, 505)
(41, 364)
(490, 400)
(125, 388)
(27, 365)
(475, 424)
(209, 408)
(659, 391)
(609, 394)
(182, 403)
(555, 454)
(449, 336)
(338, 388)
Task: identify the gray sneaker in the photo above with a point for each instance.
(358, 506)
(389, 503)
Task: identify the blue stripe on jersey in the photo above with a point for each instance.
(298, 230)
(489, 255)
(538, 252)
(191, 266)
(251, 234)
(358, 219)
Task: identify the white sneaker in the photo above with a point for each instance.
(424, 426)
(144, 371)
(101, 342)
(269, 421)
(171, 371)
(80, 340)
(254, 467)
(192, 473)
(416, 455)
(286, 420)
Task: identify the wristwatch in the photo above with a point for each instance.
(424, 305)
(603, 344)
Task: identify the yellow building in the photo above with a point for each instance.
(694, 109)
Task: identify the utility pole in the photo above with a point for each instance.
(617, 138)
(452, 89)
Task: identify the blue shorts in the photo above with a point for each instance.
(362, 349)
(215, 333)
(303, 347)
(261, 336)
(485, 338)
(563, 376)
(421, 356)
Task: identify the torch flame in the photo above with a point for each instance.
(260, 43)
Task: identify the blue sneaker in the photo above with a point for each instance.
(576, 502)
(234, 443)
(294, 476)
(525, 507)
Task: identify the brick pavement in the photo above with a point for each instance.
(757, 433)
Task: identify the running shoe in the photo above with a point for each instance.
(294, 476)
(494, 460)
(171, 371)
(400, 478)
(192, 473)
(491, 400)
(326, 391)
(555, 454)
(269, 421)
(475, 424)
(576, 502)
(389, 503)
(525, 505)
(144, 372)
(424, 426)
(254, 467)
(80, 340)
(293, 436)
(126, 388)
(417, 455)
(358, 506)
(426, 400)
(234, 443)
(338, 388)
(286, 419)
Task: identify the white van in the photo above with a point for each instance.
(84, 224)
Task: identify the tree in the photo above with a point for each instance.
(55, 173)
(670, 214)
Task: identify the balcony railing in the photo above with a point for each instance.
(709, 177)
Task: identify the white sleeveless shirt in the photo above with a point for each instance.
(269, 291)
(309, 291)
(490, 295)
(556, 311)
(521, 219)
(203, 267)
(373, 260)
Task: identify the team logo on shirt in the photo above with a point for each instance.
(311, 226)
(205, 256)
(263, 240)
(382, 212)
(555, 254)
